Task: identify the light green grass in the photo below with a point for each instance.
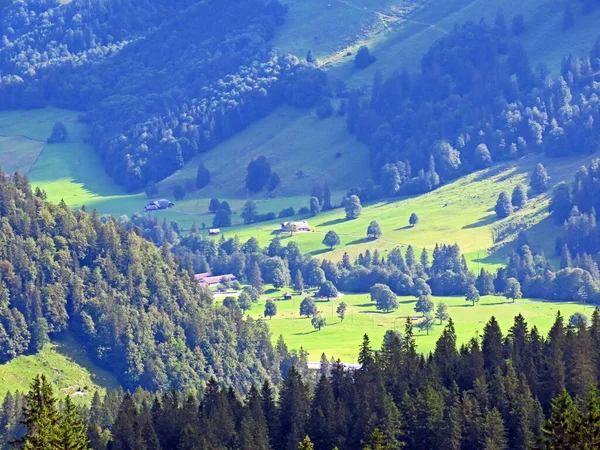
(460, 212)
(292, 140)
(342, 339)
(66, 365)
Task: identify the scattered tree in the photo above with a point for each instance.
(579, 320)
(318, 322)
(308, 307)
(441, 312)
(383, 296)
(249, 211)
(353, 207)
(315, 206)
(519, 196)
(222, 219)
(202, 177)
(151, 189)
(424, 304)
(341, 311)
(413, 219)
(539, 179)
(363, 57)
(178, 192)
(374, 230)
(214, 205)
(270, 309)
(259, 171)
(328, 290)
(472, 294)
(503, 206)
(331, 239)
(512, 289)
(59, 133)
(426, 323)
(273, 182)
(299, 282)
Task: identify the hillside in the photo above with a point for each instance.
(460, 212)
(67, 367)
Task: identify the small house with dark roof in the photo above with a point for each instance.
(158, 205)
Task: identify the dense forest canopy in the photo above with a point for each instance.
(176, 80)
(130, 303)
(476, 101)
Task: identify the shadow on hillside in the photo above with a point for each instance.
(332, 222)
(319, 252)
(68, 345)
(541, 238)
(305, 334)
(485, 174)
(404, 228)
(361, 241)
(482, 222)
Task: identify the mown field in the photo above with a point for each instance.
(66, 365)
(342, 339)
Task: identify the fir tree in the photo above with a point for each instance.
(562, 428)
(40, 416)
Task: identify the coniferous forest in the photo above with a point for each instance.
(511, 390)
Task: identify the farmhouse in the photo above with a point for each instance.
(207, 279)
(158, 205)
(300, 226)
(214, 231)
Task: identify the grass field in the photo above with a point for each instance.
(342, 339)
(66, 365)
(460, 212)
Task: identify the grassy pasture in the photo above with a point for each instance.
(342, 339)
(66, 365)
(460, 212)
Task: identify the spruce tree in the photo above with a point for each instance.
(561, 431)
(40, 416)
(72, 433)
(493, 352)
(294, 408)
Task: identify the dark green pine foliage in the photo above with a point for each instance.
(561, 431)
(325, 417)
(253, 429)
(446, 355)
(294, 409)
(553, 371)
(492, 348)
(40, 416)
(72, 433)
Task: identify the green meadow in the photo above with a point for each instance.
(67, 367)
(341, 339)
(460, 212)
